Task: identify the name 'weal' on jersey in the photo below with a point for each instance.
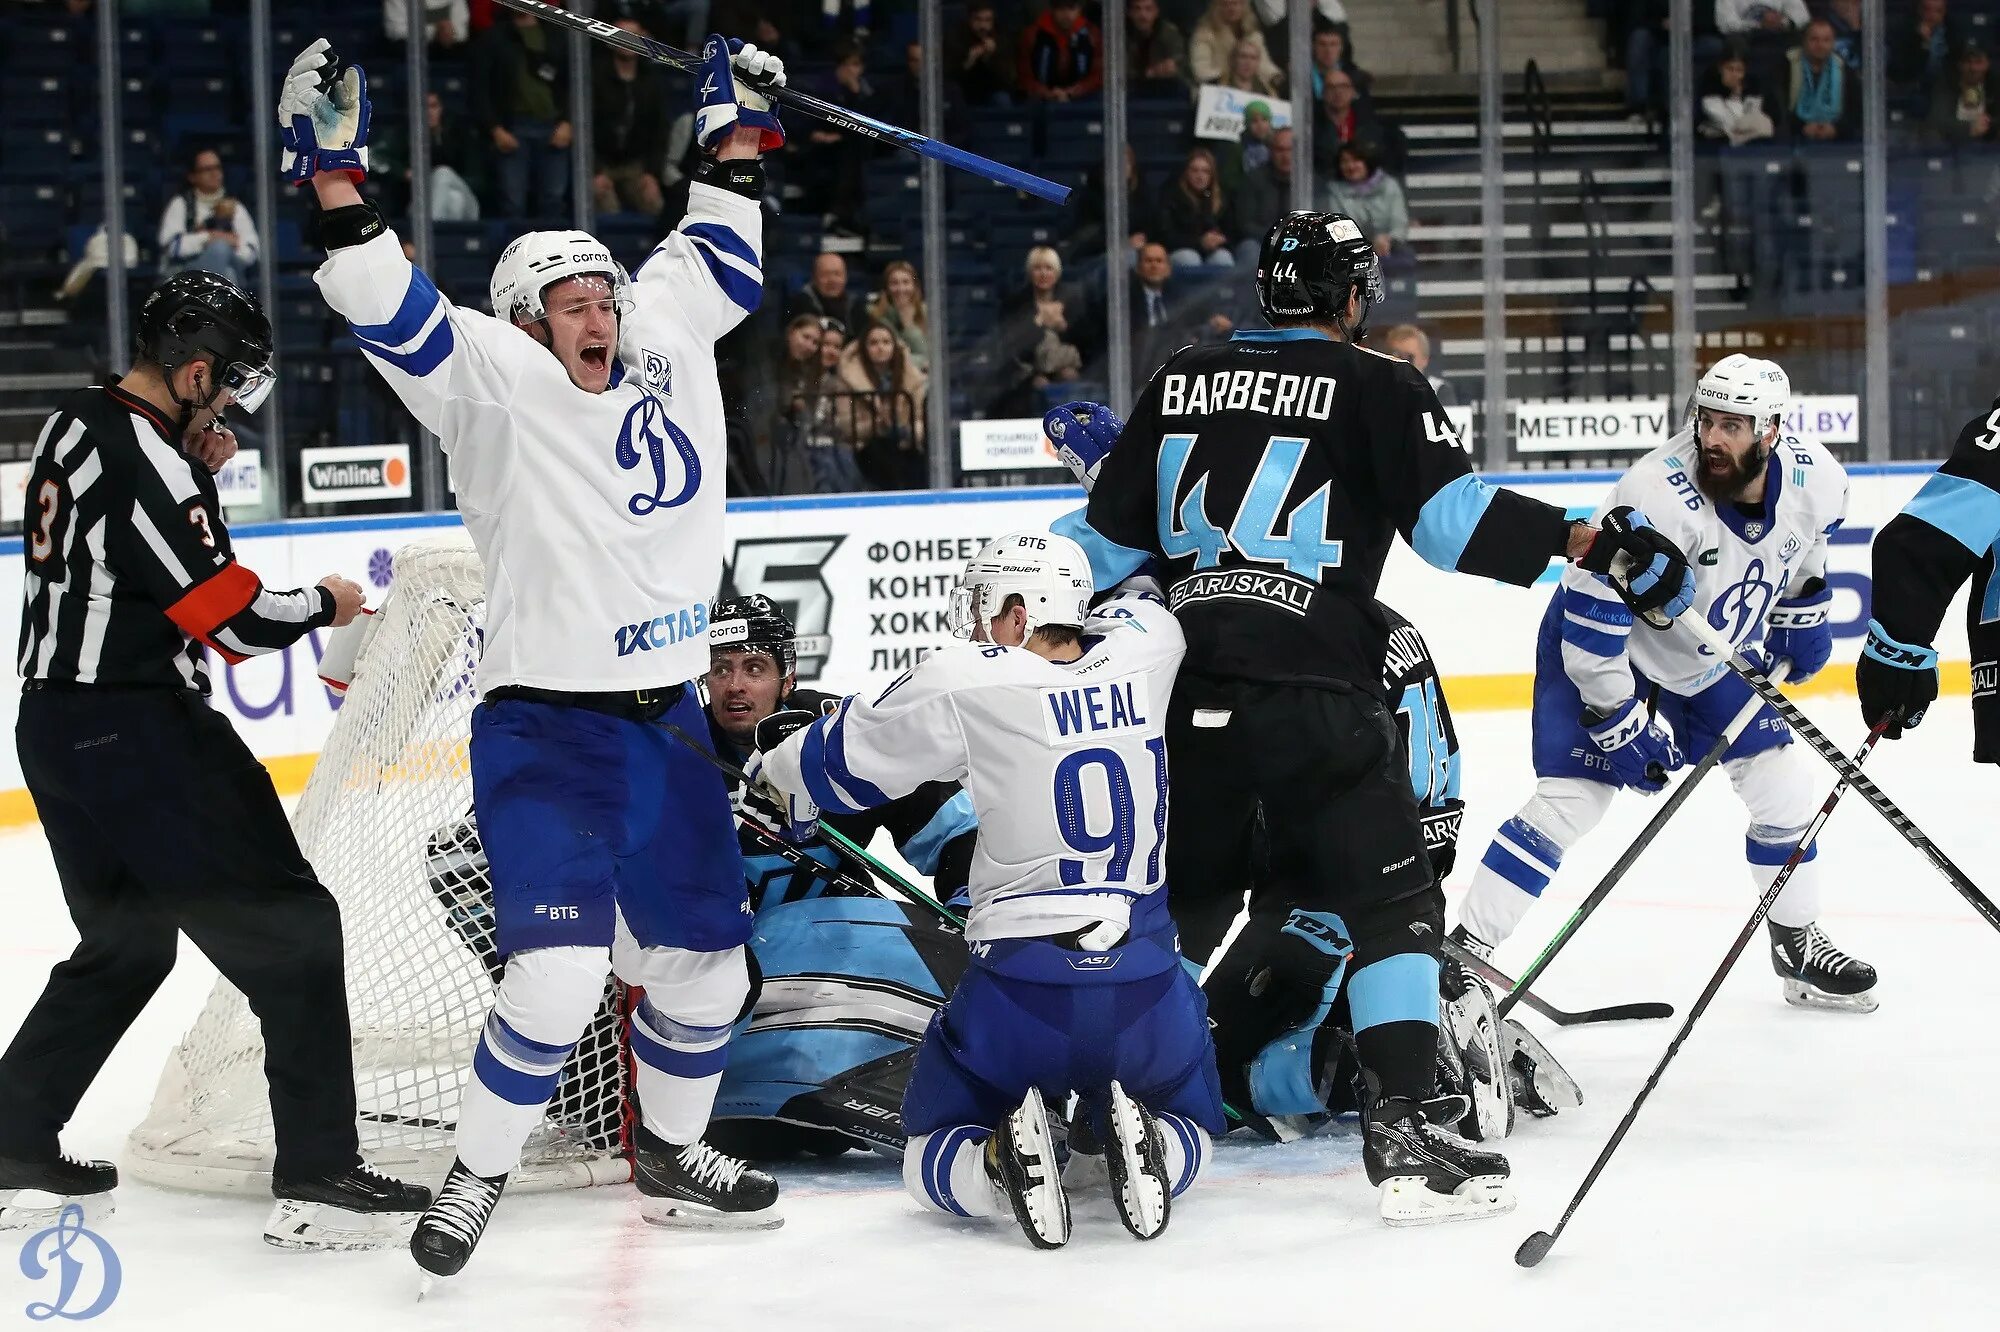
(598, 516)
(1269, 473)
(1066, 763)
(1745, 558)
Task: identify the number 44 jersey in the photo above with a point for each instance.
(1269, 473)
(1066, 763)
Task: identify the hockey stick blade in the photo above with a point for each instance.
(839, 117)
(1534, 1248)
(1561, 1017)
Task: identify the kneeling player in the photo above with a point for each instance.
(1054, 719)
(1759, 509)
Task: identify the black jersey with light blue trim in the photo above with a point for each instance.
(1944, 535)
(1268, 474)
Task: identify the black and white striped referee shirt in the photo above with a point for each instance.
(130, 574)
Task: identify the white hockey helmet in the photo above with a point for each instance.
(1745, 386)
(1049, 573)
(531, 263)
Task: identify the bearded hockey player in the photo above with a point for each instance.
(1052, 716)
(583, 422)
(1759, 507)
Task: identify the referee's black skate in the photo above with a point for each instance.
(356, 1208)
(66, 1180)
(450, 1229)
(699, 1188)
(1818, 975)
(1426, 1173)
(1021, 1163)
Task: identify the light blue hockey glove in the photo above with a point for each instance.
(323, 117)
(1641, 752)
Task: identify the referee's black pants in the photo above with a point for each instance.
(162, 821)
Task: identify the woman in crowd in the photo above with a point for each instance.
(900, 306)
(1248, 61)
(886, 412)
(1214, 39)
(1732, 108)
(1373, 198)
(1192, 215)
(1043, 331)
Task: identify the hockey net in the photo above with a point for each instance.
(386, 820)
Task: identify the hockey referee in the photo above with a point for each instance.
(159, 819)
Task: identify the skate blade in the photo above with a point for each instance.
(1041, 1208)
(31, 1209)
(307, 1227)
(1139, 1185)
(680, 1214)
(1408, 1201)
(1801, 995)
(1551, 1083)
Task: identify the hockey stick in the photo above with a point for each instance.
(1846, 767)
(1536, 1247)
(838, 116)
(832, 834)
(1472, 961)
(1736, 726)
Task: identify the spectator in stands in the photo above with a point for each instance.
(1265, 197)
(828, 294)
(792, 385)
(826, 419)
(886, 416)
(1062, 55)
(1156, 56)
(1247, 62)
(1043, 331)
(1963, 108)
(1646, 41)
(1192, 215)
(1372, 197)
(1214, 39)
(1256, 141)
(1330, 53)
(1732, 108)
(519, 89)
(1921, 50)
(205, 227)
(980, 59)
(1845, 16)
(1163, 320)
(446, 22)
(900, 307)
(454, 197)
(1766, 29)
(827, 162)
(1340, 118)
(630, 114)
(1412, 344)
(1824, 100)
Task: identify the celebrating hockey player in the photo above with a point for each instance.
(848, 978)
(1268, 474)
(1760, 508)
(1944, 535)
(1053, 717)
(583, 422)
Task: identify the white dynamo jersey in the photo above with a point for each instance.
(598, 516)
(1744, 563)
(1066, 764)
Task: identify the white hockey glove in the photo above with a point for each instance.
(737, 83)
(323, 117)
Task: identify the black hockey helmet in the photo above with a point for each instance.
(1309, 265)
(198, 313)
(754, 624)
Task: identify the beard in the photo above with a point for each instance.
(1724, 485)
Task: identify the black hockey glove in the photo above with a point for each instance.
(1895, 680)
(1652, 574)
(780, 726)
(793, 813)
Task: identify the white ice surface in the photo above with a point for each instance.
(1794, 1169)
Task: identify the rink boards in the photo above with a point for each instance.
(870, 577)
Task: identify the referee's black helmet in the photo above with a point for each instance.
(1310, 264)
(200, 313)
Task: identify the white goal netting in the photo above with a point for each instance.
(386, 821)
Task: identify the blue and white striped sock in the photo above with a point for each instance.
(946, 1171)
(1517, 866)
(679, 1070)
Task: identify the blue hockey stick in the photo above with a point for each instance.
(838, 116)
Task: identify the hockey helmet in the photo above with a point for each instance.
(1310, 264)
(1049, 573)
(754, 624)
(198, 313)
(1745, 386)
(531, 264)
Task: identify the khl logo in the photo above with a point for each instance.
(648, 425)
(68, 1251)
(1739, 608)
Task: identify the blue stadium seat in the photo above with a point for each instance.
(33, 215)
(38, 99)
(197, 48)
(34, 155)
(35, 47)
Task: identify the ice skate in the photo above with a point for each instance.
(1428, 1174)
(1137, 1160)
(356, 1208)
(52, 1185)
(1021, 1162)
(1818, 975)
(697, 1187)
(1541, 1086)
(449, 1231)
(1469, 1024)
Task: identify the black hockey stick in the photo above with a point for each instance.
(1494, 976)
(1846, 767)
(832, 834)
(838, 116)
(1536, 1247)
(1632, 853)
